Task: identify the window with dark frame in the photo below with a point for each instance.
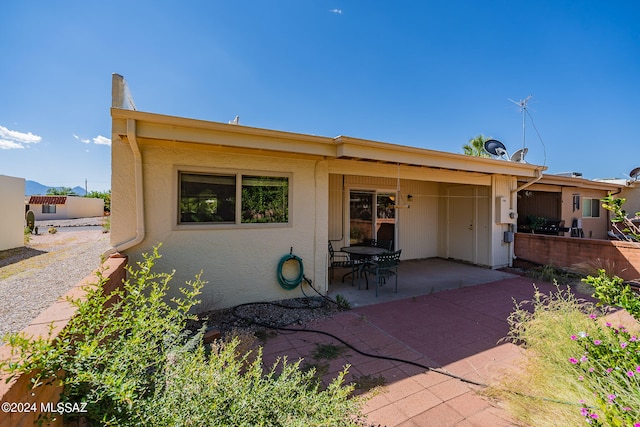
(265, 199)
(207, 198)
(46, 208)
(211, 198)
(590, 208)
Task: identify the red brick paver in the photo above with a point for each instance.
(457, 332)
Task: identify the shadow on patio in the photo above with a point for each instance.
(415, 277)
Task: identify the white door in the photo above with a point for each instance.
(461, 226)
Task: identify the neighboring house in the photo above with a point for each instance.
(569, 205)
(12, 220)
(65, 207)
(233, 200)
(630, 192)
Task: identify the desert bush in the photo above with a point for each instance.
(577, 367)
(220, 389)
(128, 356)
(110, 353)
(552, 274)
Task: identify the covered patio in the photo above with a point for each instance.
(415, 277)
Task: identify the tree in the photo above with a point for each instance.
(61, 191)
(475, 147)
(104, 195)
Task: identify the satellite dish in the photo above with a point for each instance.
(635, 174)
(518, 156)
(495, 147)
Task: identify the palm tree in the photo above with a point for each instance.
(475, 147)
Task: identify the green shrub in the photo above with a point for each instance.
(222, 389)
(342, 302)
(128, 357)
(113, 349)
(612, 290)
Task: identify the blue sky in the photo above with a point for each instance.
(430, 74)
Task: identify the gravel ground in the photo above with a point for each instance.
(253, 317)
(34, 277)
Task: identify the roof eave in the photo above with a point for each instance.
(179, 129)
(566, 181)
(349, 147)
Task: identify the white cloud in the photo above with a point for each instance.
(101, 140)
(98, 140)
(10, 139)
(86, 141)
(337, 11)
(8, 145)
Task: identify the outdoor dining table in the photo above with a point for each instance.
(363, 253)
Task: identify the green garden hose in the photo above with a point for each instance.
(290, 284)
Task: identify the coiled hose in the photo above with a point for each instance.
(290, 284)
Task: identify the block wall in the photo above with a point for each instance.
(566, 251)
(19, 390)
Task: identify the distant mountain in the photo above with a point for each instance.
(35, 188)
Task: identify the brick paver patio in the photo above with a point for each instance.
(457, 331)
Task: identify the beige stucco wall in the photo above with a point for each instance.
(593, 228)
(11, 212)
(84, 207)
(239, 262)
(632, 194)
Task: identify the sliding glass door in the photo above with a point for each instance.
(371, 216)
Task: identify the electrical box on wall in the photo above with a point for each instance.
(504, 214)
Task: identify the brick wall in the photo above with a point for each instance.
(19, 390)
(566, 251)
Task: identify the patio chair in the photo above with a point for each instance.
(376, 243)
(384, 244)
(339, 259)
(385, 266)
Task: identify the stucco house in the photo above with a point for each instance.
(65, 207)
(630, 192)
(193, 186)
(11, 212)
(570, 204)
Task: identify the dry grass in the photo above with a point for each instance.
(546, 392)
(592, 266)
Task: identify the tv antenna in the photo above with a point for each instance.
(523, 107)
